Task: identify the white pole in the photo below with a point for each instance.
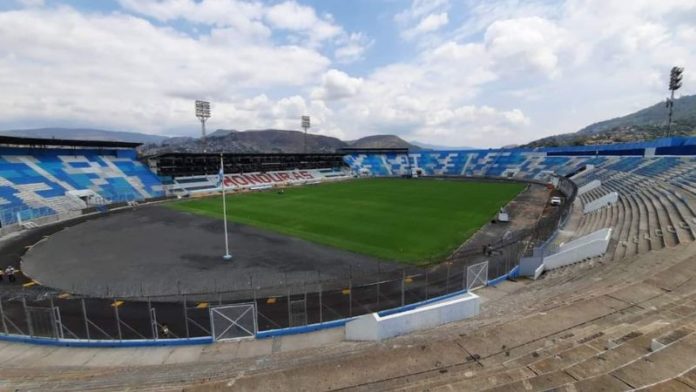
(227, 255)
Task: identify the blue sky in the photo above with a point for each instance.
(446, 72)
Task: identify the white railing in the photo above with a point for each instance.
(606, 200)
(589, 186)
(591, 245)
(375, 327)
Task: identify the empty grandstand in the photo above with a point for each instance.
(45, 177)
(653, 182)
(626, 323)
(186, 173)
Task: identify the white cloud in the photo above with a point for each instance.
(476, 73)
(31, 3)
(292, 16)
(525, 44)
(244, 18)
(119, 71)
(418, 9)
(336, 85)
(352, 47)
(428, 24)
(422, 18)
(250, 19)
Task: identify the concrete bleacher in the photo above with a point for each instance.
(616, 326)
(651, 212)
(36, 183)
(656, 202)
(624, 321)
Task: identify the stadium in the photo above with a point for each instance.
(368, 269)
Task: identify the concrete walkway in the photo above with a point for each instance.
(21, 355)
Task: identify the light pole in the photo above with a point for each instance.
(221, 180)
(305, 125)
(675, 82)
(203, 114)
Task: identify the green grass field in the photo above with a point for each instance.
(410, 221)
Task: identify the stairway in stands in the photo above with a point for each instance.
(580, 328)
(651, 213)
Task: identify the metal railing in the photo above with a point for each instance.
(279, 302)
(61, 315)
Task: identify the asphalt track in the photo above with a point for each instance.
(154, 250)
(368, 285)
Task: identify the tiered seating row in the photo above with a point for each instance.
(36, 183)
(650, 214)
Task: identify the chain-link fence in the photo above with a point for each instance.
(275, 304)
(54, 314)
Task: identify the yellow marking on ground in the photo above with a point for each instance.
(408, 279)
(29, 284)
(346, 291)
(271, 300)
(64, 295)
(116, 304)
(202, 305)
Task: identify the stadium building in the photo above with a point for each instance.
(595, 291)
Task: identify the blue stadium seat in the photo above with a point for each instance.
(34, 182)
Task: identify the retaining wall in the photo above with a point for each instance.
(375, 327)
(591, 245)
(606, 200)
(589, 186)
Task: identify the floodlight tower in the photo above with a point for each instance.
(305, 125)
(675, 82)
(203, 114)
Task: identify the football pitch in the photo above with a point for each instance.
(410, 221)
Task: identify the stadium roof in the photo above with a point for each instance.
(38, 142)
(235, 154)
(371, 150)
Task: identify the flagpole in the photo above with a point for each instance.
(227, 255)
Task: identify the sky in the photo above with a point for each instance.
(475, 73)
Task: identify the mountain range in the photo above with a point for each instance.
(645, 124)
(85, 134)
(228, 140)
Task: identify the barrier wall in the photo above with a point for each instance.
(591, 245)
(600, 202)
(589, 186)
(538, 271)
(42, 341)
(375, 327)
(588, 169)
(528, 265)
(255, 181)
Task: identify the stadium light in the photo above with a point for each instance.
(203, 114)
(675, 82)
(305, 125)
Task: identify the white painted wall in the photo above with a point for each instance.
(538, 271)
(606, 200)
(373, 327)
(589, 186)
(591, 245)
(588, 168)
